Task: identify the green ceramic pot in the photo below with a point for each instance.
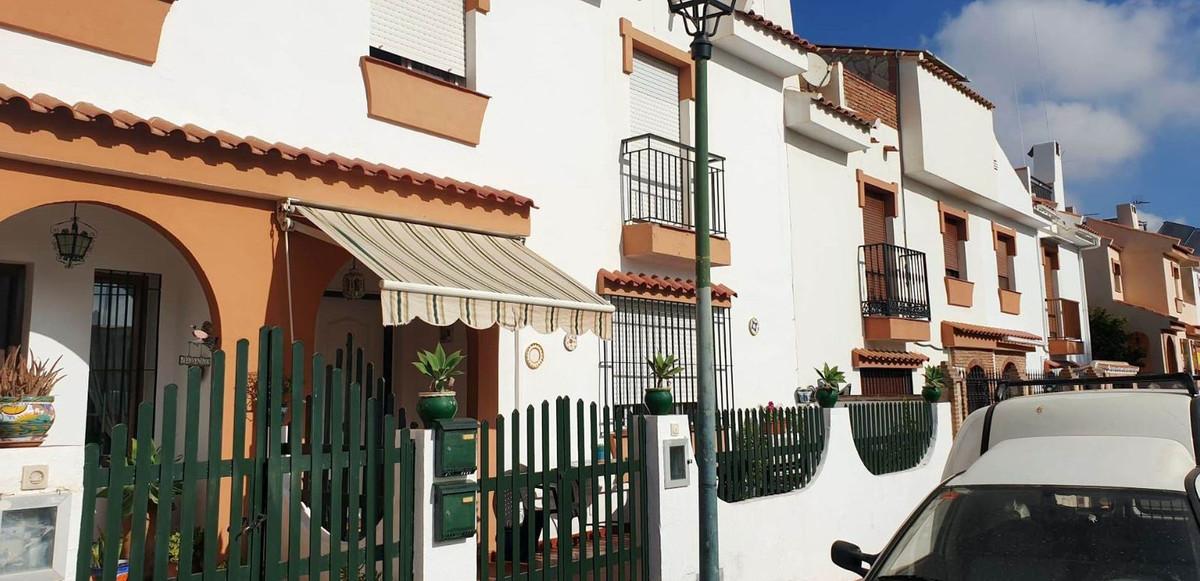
(436, 405)
(25, 421)
(827, 397)
(660, 402)
(932, 394)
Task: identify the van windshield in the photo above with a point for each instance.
(985, 533)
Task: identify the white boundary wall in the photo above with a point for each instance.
(787, 537)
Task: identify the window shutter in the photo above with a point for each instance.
(430, 32)
(874, 219)
(1002, 266)
(654, 97)
(950, 240)
(886, 382)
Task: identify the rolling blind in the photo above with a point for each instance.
(654, 97)
(950, 243)
(874, 219)
(430, 32)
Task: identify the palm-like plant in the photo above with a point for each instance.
(152, 489)
(934, 377)
(664, 367)
(439, 367)
(829, 377)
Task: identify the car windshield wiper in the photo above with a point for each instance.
(904, 578)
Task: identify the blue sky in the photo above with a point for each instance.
(1119, 82)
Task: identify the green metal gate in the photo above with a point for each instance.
(316, 431)
(563, 495)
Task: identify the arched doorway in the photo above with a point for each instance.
(977, 388)
(1172, 355)
(118, 323)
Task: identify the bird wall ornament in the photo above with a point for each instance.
(203, 335)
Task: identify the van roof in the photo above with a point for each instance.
(1085, 461)
(1156, 414)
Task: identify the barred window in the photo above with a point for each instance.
(644, 327)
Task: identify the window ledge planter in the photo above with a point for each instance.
(124, 28)
(409, 98)
(960, 293)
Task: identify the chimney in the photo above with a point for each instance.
(1127, 215)
(1047, 168)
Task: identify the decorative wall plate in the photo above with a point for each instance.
(534, 355)
(570, 342)
(753, 326)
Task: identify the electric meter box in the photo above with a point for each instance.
(454, 447)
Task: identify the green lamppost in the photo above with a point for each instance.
(700, 19)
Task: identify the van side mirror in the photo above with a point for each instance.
(850, 557)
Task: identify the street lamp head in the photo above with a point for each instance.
(700, 17)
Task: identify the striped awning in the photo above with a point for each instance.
(441, 276)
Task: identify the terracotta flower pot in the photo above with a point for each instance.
(25, 421)
(122, 572)
(436, 405)
(659, 401)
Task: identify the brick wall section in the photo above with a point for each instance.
(869, 100)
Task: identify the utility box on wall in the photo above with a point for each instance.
(454, 447)
(454, 510)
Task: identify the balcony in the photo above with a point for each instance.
(658, 177)
(1041, 189)
(895, 293)
(1066, 330)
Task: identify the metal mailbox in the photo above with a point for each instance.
(454, 510)
(454, 447)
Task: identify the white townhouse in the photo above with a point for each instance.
(915, 241)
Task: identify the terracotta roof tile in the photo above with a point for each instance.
(652, 282)
(929, 62)
(760, 22)
(991, 332)
(848, 114)
(124, 120)
(952, 79)
(882, 358)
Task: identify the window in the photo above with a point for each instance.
(1006, 249)
(124, 352)
(1116, 274)
(886, 382)
(654, 97)
(12, 306)
(954, 233)
(427, 36)
(644, 327)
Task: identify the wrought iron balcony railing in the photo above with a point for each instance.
(1041, 189)
(1063, 317)
(894, 282)
(658, 176)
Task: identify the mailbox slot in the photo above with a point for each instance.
(454, 447)
(454, 510)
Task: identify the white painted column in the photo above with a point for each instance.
(673, 512)
(436, 561)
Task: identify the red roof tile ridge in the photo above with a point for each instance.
(950, 79)
(783, 33)
(124, 120)
(655, 281)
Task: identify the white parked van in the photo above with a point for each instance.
(1088, 485)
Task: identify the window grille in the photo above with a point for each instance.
(886, 382)
(644, 327)
(124, 349)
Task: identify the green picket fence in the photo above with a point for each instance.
(582, 475)
(226, 517)
(762, 452)
(892, 435)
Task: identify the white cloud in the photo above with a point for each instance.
(1100, 77)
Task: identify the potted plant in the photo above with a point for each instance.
(173, 542)
(439, 402)
(97, 561)
(935, 382)
(153, 494)
(26, 406)
(658, 399)
(829, 382)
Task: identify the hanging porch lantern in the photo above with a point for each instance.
(354, 285)
(73, 239)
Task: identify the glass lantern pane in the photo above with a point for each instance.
(27, 539)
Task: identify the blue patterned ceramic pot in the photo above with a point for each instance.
(25, 421)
